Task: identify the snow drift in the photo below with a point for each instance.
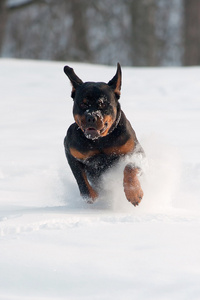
(53, 244)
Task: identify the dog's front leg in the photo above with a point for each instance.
(85, 188)
(132, 187)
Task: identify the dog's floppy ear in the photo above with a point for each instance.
(116, 81)
(75, 80)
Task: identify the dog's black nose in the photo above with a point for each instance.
(90, 119)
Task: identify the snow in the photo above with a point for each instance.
(55, 246)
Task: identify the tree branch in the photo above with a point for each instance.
(14, 7)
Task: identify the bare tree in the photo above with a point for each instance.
(143, 40)
(149, 31)
(79, 39)
(191, 32)
(3, 17)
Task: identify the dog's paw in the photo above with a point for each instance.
(91, 197)
(133, 194)
(132, 187)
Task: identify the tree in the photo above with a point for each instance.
(79, 39)
(191, 32)
(142, 39)
(3, 16)
(149, 34)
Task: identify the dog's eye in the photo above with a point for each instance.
(84, 105)
(102, 105)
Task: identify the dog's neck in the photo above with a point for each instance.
(115, 124)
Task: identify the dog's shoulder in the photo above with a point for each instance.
(73, 136)
(122, 140)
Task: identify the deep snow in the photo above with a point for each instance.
(55, 246)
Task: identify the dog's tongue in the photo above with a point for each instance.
(91, 133)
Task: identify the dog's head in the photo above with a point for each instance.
(96, 108)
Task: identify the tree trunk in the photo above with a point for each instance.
(143, 37)
(191, 32)
(3, 15)
(79, 41)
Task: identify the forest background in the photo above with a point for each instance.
(133, 32)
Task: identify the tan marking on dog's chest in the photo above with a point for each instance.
(83, 155)
(128, 147)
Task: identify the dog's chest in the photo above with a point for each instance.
(99, 163)
(102, 153)
(93, 156)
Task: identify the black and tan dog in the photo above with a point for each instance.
(100, 136)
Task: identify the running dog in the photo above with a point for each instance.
(100, 136)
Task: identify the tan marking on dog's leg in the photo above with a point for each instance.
(92, 192)
(132, 186)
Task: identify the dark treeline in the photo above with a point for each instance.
(134, 32)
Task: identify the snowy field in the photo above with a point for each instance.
(55, 246)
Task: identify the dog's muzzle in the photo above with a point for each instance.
(94, 125)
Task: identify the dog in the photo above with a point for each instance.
(100, 136)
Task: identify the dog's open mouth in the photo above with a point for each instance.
(93, 133)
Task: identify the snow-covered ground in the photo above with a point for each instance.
(55, 246)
